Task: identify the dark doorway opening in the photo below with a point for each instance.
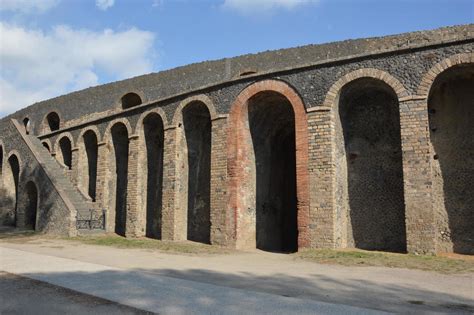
(120, 143)
(66, 152)
(14, 164)
(272, 128)
(31, 205)
(90, 143)
(370, 120)
(197, 128)
(451, 114)
(154, 142)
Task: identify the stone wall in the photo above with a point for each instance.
(368, 170)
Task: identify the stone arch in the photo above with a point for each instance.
(63, 149)
(51, 122)
(88, 155)
(124, 121)
(178, 114)
(11, 183)
(27, 125)
(428, 79)
(240, 157)
(132, 99)
(451, 127)
(150, 129)
(334, 90)
(47, 145)
(194, 128)
(30, 205)
(159, 111)
(368, 157)
(116, 138)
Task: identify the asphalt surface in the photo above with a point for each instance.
(155, 293)
(20, 295)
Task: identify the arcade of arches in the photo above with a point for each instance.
(144, 174)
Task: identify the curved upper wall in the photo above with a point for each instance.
(157, 86)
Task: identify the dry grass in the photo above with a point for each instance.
(355, 257)
(184, 247)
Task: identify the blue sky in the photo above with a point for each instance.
(51, 47)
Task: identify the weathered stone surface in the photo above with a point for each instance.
(367, 164)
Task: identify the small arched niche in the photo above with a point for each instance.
(53, 121)
(27, 125)
(130, 100)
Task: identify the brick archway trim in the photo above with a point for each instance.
(178, 114)
(429, 78)
(159, 111)
(391, 81)
(237, 152)
(94, 129)
(124, 121)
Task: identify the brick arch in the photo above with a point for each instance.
(429, 78)
(237, 151)
(178, 114)
(159, 111)
(107, 133)
(61, 136)
(387, 78)
(94, 129)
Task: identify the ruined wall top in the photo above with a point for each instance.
(198, 76)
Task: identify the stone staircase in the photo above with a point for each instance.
(84, 208)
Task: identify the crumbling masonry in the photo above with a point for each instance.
(363, 143)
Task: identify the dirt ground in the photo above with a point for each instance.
(381, 288)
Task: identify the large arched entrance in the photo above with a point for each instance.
(197, 135)
(267, 165)
(119, 179)
(369, 166)
(272, 129)
(451, 115)
(31, 205)
(153, 132)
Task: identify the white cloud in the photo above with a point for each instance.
(252, 7)
(28, 6)
(37, 65)
(104, 4)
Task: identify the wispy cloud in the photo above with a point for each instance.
(255, 7)
(28, 6)
(37, 65)
(104, 4)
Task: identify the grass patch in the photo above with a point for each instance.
(184, 247)
(357, 257)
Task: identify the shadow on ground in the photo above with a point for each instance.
(366, 294)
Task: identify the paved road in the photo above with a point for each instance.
(156, 293)
(19, 295)
(388, 289)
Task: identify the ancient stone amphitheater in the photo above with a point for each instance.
(365, 143)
